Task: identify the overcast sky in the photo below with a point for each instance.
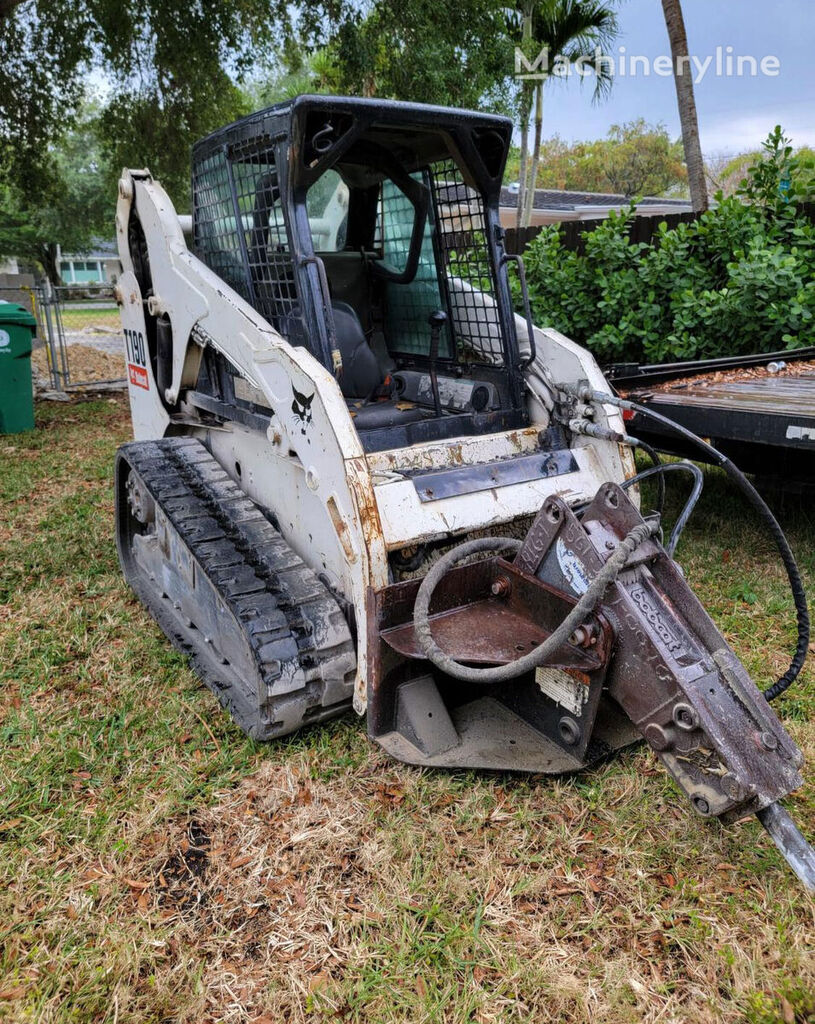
(735, 114)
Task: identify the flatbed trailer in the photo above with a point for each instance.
(759, 410)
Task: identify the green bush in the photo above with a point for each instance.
(740, 279)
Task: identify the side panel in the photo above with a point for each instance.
(292, 491)
(150, 418)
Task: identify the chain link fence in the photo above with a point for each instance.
(79, 341)
(89, 335)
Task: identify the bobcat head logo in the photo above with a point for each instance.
(301, 407)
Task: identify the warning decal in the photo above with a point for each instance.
(138, 376)
(563, 689)
(572, 568)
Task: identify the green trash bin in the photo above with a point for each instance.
(17, 327)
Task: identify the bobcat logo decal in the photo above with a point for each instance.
(301, 407)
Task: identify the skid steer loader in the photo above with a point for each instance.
(337, 410)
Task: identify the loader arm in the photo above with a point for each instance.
(325, 462)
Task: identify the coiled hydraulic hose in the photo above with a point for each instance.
(543, 652)
(585, 394)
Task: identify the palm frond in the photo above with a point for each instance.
(575, 30)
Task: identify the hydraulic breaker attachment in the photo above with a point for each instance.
(671, 670)
(592, 618)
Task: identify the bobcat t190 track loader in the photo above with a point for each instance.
(336, 409)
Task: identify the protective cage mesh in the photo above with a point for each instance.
(215, 226)
(240, 232)
(467, 266)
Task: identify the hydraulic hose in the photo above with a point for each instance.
(755, 500)
(543, 652)
(654, 457)
(588, 429)
(698, 482)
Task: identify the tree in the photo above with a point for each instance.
(683, 77)
(148, 129)
(635, 159)
(295, 72)
(641, 160)
(574, 35)
(76, 208)
(172, 68)
(450, 54)
(175, 69)
(43, 49)
(725, 172)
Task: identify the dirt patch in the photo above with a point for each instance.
(285, 870)
(84, 364)
(182, 878)
(352, 899)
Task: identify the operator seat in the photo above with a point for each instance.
(361, 372)
(362, 375)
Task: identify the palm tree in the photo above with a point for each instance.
(572, 32)
(683, 77)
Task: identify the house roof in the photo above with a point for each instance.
(99, 249)
(554, 199)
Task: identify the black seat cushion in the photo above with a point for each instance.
(361, 372)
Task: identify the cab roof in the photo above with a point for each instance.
(323, 130)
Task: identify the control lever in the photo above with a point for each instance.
(437, 320)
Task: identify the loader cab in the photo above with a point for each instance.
(368, 232)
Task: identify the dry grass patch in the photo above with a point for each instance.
(156, 866)
(85, 363)
(387, 894)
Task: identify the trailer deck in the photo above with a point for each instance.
(760, 410)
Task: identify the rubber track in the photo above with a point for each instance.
(304, 653)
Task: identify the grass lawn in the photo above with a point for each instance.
(157, 866)
(85, 316)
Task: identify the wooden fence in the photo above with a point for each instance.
(642, 229)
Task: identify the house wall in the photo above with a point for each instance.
(17, 288)
(89, 269)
